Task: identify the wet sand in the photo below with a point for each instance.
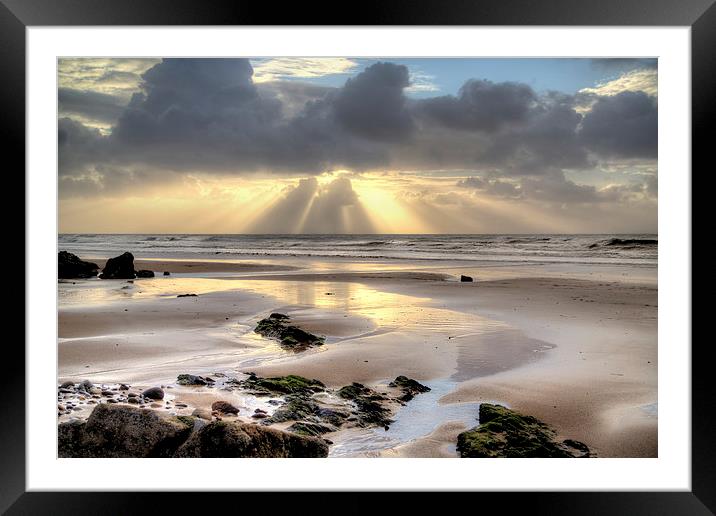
(579, 354)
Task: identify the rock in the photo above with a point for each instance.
(122, 431)
(259, 415)
(124, 387)
(259, 411)
(133, 400)
(234, 439)
(506, 433)
(464, 278)
(290, 336)
(332, 416)
(167, 273)
(409, 387)
(224, 407)
(119, 267)
(67, 385)
(190, 379)
(369, 409)
(107, 393)
(296, 408)
(69, 266)
(290, 384)
(310, 429)
(145, 274)
(202, 413)
(154, 393)
(85, 385)
(186, 295)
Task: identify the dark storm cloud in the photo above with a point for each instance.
(208, 115)
(372, 104)
(482, 105)
(623, 125)
(90, 104)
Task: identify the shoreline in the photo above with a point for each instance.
(486, 333)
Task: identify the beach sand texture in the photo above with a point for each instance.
(575, 348)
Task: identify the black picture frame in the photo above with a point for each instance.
(17, 15)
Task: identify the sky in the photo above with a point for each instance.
(355, 145)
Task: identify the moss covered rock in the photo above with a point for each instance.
(291, 384)
(276, 326)
(506, 433)
(223, 439)
(310, 429)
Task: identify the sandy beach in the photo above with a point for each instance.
(574, 347)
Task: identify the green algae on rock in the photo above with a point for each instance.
(276, 326)
(505, 433)
(290, 384)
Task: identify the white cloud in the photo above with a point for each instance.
(273, 69)
(421, 82)
(645, 80)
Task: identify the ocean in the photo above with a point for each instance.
(636, 249)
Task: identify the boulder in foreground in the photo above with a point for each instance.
(124, 431)
(505, 433)
(234, 439)
(119, 267)
(70, 266)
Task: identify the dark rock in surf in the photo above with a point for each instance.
(145, 273)
(70, 266)
(119, 267)
(166, 273)
(465, 279)
(187, 295)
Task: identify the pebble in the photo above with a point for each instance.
(123, 387)
(107, 393)
(133, 400)
(67, 385)
(259, 415)
(155, 405)
(181, 405)
(60, 407)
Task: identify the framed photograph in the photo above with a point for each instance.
(421, 248)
